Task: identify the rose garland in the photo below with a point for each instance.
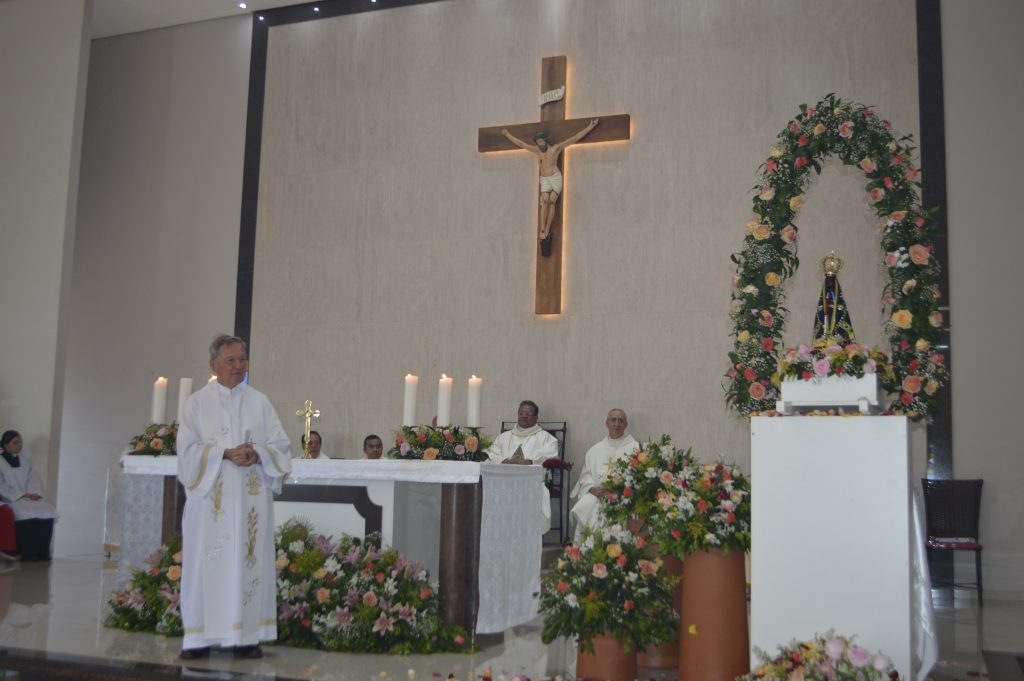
(911, 295)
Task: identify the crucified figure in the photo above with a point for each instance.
(550, 175)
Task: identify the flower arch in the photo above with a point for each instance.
(911, 295)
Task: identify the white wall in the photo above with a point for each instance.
(43, 58)
(157, 248)
(982, 60)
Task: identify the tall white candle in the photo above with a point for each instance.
(473, 403)
(444, 401)
(158, 410)
(409, 406)
(184, 390)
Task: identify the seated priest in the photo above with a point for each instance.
(527, 443)
(315, 443)
(22, 489)
(588, 491)
(373, 446)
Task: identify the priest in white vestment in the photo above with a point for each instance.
(527, 443)
(618, 445)
(233, 455)
(22, 489)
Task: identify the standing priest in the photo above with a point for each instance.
(527, 443)
(618, 445)
(232, 456)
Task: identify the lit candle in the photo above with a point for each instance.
(184, 390)
(444, 401)
(473, 404)
(409, 407)
(158, 409)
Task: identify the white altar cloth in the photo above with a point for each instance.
(510, 547)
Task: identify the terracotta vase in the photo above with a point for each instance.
(609, 662)
(665, 656)
(713, 638)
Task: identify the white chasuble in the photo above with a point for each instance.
(228, 581)
(15, 483)
(595, 469)
(538, 445)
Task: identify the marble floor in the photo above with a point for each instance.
(57, 608)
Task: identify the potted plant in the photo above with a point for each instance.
(609, 594)
(826, 657)
(699, 513)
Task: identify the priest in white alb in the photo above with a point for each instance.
(527, 443)
(588, 491)
(233, 455)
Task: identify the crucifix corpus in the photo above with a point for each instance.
(309, 414)
(547, 140)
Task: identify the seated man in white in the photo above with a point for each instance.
(588, 491)
(315, 443)
(527, 443)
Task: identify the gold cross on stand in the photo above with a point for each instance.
(547, 139)
(308, 413)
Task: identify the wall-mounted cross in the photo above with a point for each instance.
(547, 139)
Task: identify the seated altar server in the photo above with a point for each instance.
(233, 455)
(315, 443)
(22, 489)
(588, 491)
(527, 443)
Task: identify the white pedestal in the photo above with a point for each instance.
(831, 532)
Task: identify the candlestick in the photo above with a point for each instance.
(158, 410)
(409, 407)
(473, 402)
(444, 401)
(184, 390)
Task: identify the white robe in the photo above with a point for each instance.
(595, 469)
(17, 482)
(228, 581)
(538, 445)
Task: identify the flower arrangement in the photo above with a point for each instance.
(352, 596)
(824, 658)
(158, 439)
(686, 505)
(911, 295)
(452, 443)
(608, 585)
(149, 601)
(356, 597)
(853, 359)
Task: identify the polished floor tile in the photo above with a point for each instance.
(58, 608)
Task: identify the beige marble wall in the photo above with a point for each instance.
(386, 244)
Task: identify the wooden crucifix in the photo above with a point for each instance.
(547, 139)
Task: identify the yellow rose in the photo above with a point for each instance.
(776, 153)
(613, 550)
(174, 573)
(902, 319)
(773, 279)
(922, 345)
(819, 129)
(320, 574)
(472, 443)
(931, 387)
(641, 456)
(796, 203)
(429, 454)
(743, 336)
(762, 232)
(752, 225)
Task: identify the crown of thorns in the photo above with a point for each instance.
(537, 136)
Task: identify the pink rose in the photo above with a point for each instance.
(867, 165)
(897, 215)
(767, 318)
(800, 162)
(767, 194)
(156, 443)
(846, 129)
(858, 657)
(877, 194)
(600, 570)
(772, 166)
(887, 181)
(888, 299)
(910, 174)
(919, 254)
(404, 448)
(881, 662)
(756, 390)
(912, 384)
(789, 234)
(821, 367)
(834, 648)
(891, 258)
(909, 286)
(761, 232)
(802, 140)
(794, 127)
(935, 319)
(370, 598)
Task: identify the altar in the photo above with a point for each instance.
(462, 520)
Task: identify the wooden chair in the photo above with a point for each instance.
(556, 475)
(952, 516)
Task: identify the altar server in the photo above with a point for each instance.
(22, 489)
(233, 455)
(618, 445)
(527, 443)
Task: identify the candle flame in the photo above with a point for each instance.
(161, 379)
(444, 376)
(473, 376)
(410, 376)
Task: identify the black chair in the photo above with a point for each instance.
(952, 513)
(556, 475)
